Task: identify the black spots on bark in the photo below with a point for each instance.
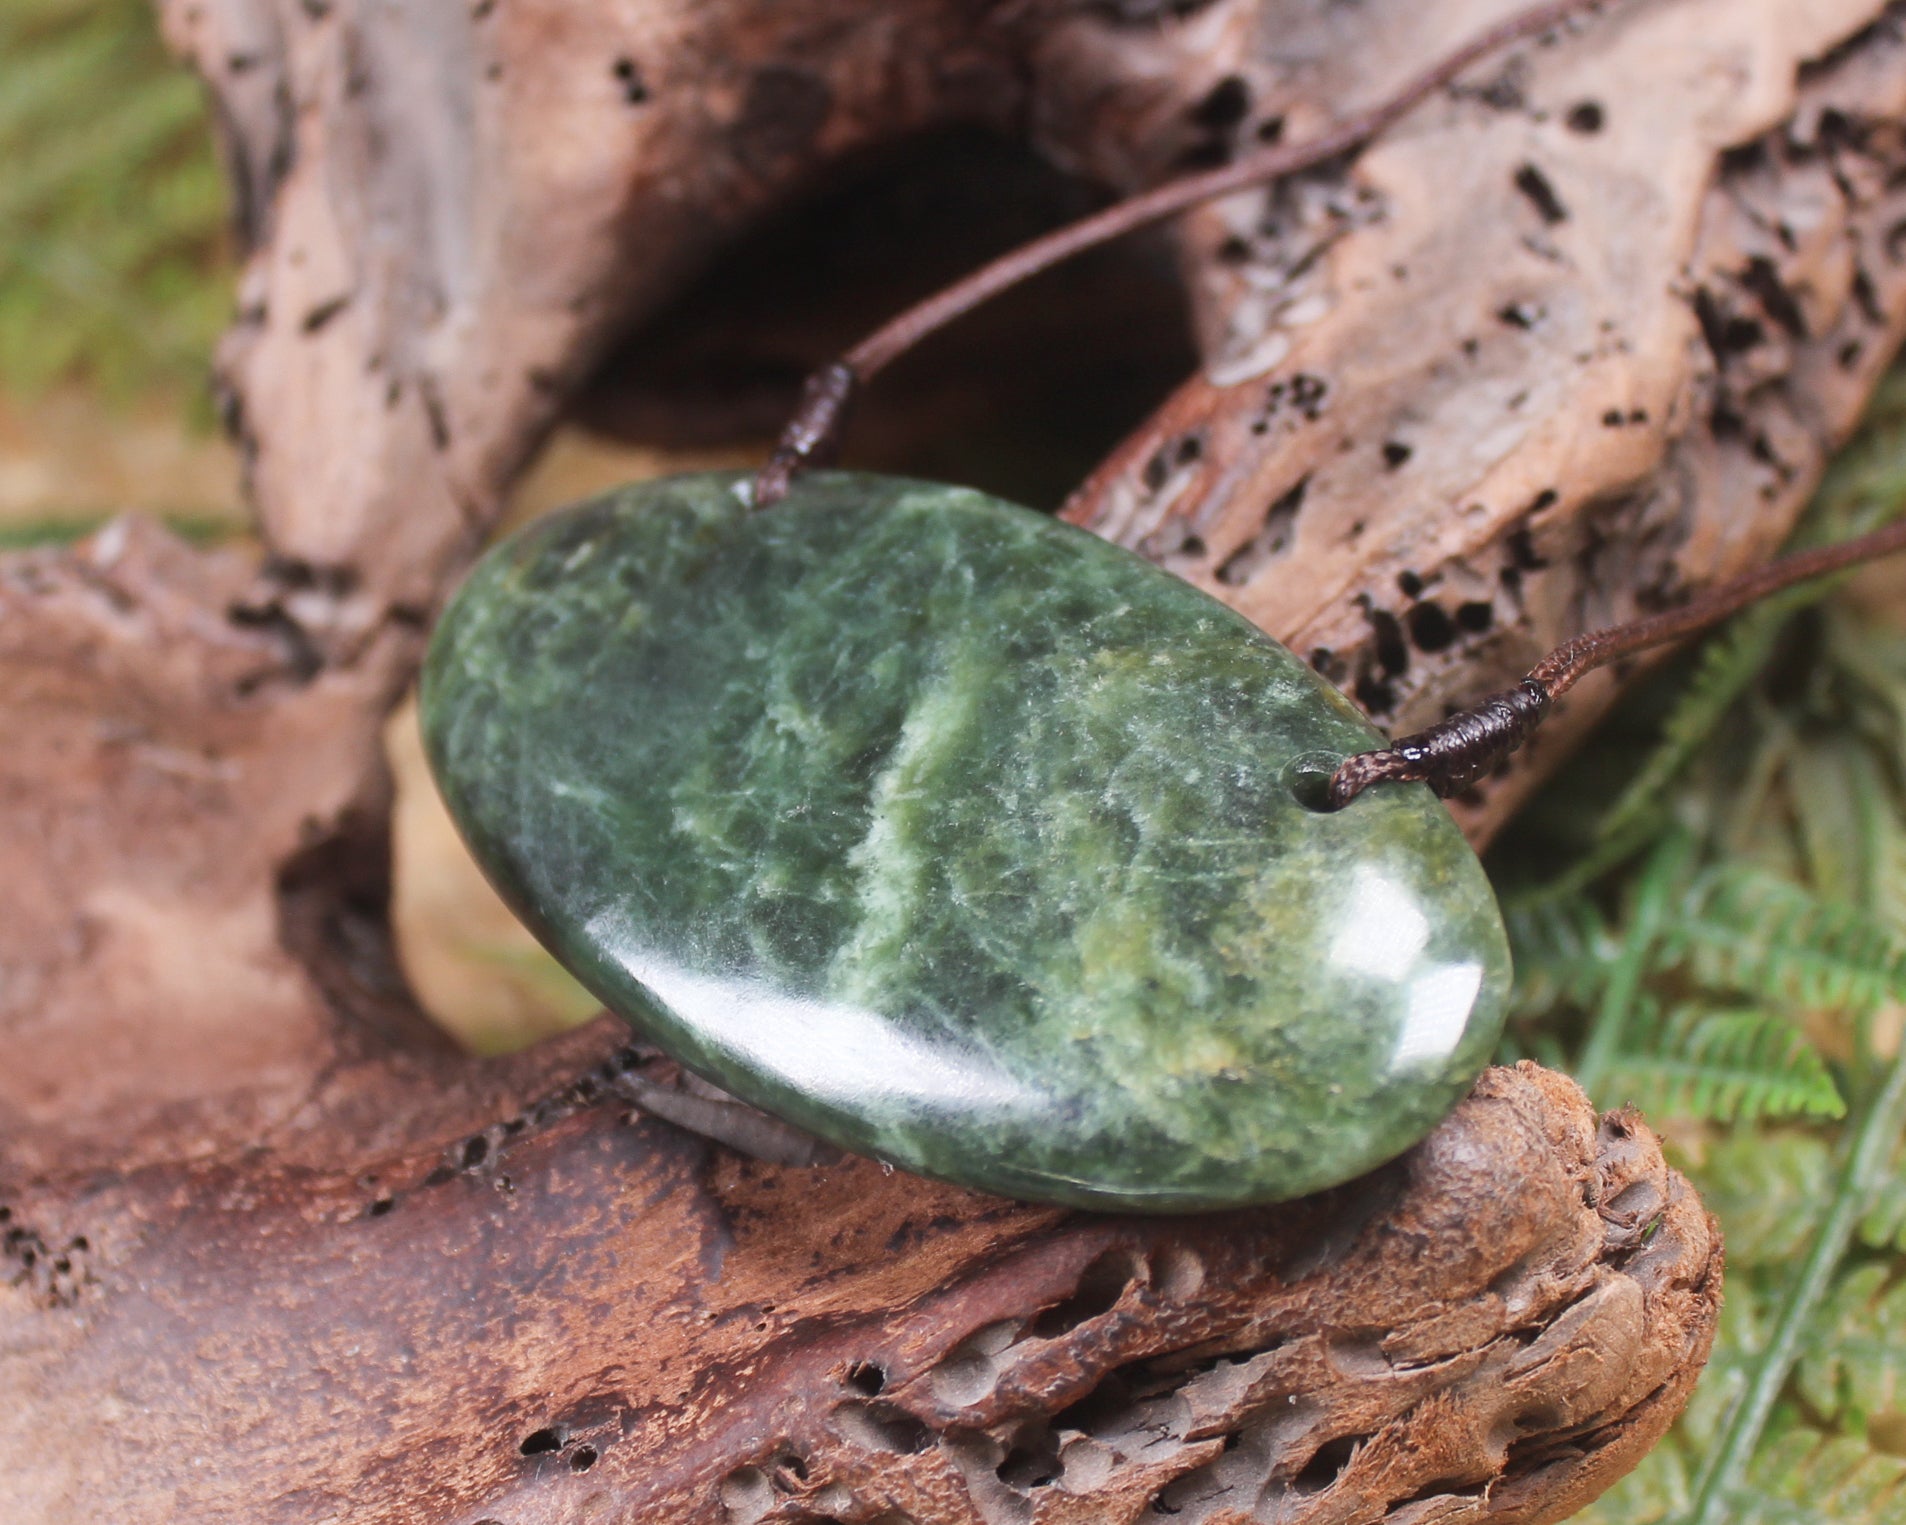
(1431, 629)
(1220, 122)
(1763, 280)
(1475, 616)
(1225, 105)
(324, 312)
(1726, 332)
(1585, 117)
(54, 1272)
(1302, 396)
(1540, 194)
(1272, 540)
(1386, 659)
(435, 413)
(1425, 625)
(1182, 456)
(1519, 543)
(1307, 395)
(1895, 242)
(1729, 332)
(628, 77)
(1216, 121)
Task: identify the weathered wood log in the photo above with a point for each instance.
(1573, 345)
(558, 1318)
(218, 1095)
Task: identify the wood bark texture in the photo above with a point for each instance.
(1574, 339)
(558, 1318)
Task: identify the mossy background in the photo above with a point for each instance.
(1726, 947)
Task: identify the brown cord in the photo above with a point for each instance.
(1456, 752)
(813, 433)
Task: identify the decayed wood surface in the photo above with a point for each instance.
(319, 1267)
(557, 1318)
(216, 1081)
(1571, 345)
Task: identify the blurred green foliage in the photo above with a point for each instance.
(1727, 949)
(112, 206)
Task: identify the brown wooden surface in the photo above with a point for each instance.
(557, 1317)
(215, 1079)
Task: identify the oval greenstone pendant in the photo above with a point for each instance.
(963, 839)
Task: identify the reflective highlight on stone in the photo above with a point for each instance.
(962, 839)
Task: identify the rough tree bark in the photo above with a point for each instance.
(1575, 338)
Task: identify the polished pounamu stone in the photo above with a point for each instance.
(962, 839)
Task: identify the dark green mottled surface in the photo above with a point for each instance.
(961, 839)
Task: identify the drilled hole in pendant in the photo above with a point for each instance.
(1308, 779)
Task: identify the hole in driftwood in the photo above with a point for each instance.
(882, 1427)
(1022, 399)
(1178, 1273)
(1386, 631)
(745, 1495)
(1327, 1463)
(541, 1442)
(1099, 1288)
(1102, 1406)
(1033, 1462)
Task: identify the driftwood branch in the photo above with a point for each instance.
(1573, 339)
(1565, 350)
(555, 1317)
(271, 1252)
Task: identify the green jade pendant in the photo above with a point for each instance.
(961, 838)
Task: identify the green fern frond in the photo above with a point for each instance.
(1727, 1066)
(1766, 1186)
(1734, 1460)
(1779, 944)
(1805, 1478)
(112, 217)
(1657, 1491)
(1685, 988)
(1842, 805)
(1660, 887)
(1884, 1226)
(1562, 949)
(1727, 666)
(1853, 1364)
